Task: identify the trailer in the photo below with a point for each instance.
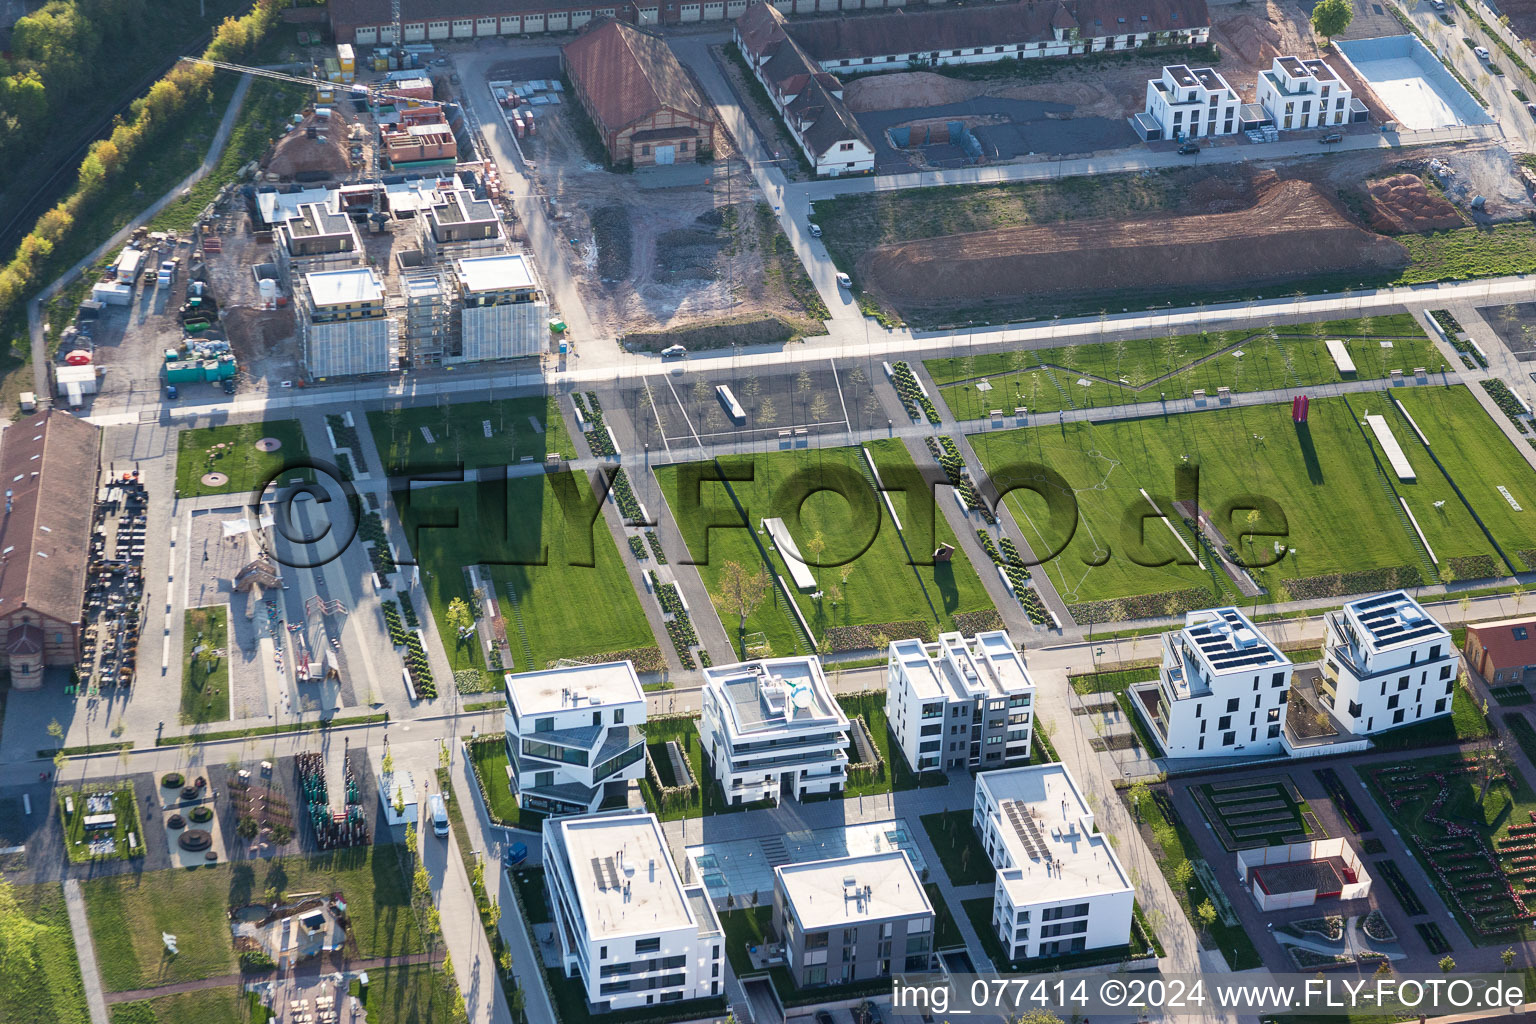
(129, 262)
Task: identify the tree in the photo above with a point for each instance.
(1447, 964)
(1508, 956)
(387, 764)
(460, 619)
(803, 381)
(399, 801)
(815, 547)
(1036, 1017)
(1332, 17)
(1139, 792)
(56, 731)
(19, 936)
(742, 590)
(818, 408)
(444, 755)
(515, 1002)
(1206, 913)
(767, 412)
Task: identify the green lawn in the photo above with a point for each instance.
(50, 990)
(128, 912)
(490, 760)
(881, 587)
(197, 453)
(529, 883)
(199, 1006)
(1507, 802)
(124, 805)
(898, 774)
(412, 995)
(205, 678)
(1481, 459)
(1321, 478)
(946, 933)
(1124, 372)
(960, 851)
(492, 523)
(1465, 723)
(1172, 845)
(753, 925)
(685, 731)
(1235, 814)
(458, 434)
(979, 911)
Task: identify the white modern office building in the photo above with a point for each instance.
(1193, 103)
(960, 703)
(1386, 663)
(852, 918)
(573, 736)
(1298, 93)
(625, 922)
(1060, 888)
(772, 729)
(1222, 688)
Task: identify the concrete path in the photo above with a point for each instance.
(85, 949)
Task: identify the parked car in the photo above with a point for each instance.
(229, 387)
(516, 854)
(844, 281)
(1530, 108)
(1333, 137)
(815, 230)
(1438, 5)
(1481, 51)
(674, 352)
(170, 392)
(1189, 147)
(823, 1017)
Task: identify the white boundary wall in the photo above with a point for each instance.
(1290, 853)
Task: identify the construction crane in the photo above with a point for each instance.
(354, 88)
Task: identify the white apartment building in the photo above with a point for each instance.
(1222, 689)
(1300, 93)
(626, 924)
(1386, 663)
(1193, 103)
(772, 729)
(960, 703)
(1060, 889)
(573, 736)
(852, 918)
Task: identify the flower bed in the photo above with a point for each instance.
(645, 659)
(1505, 399)
(598, 437)
(346, 437)
(392, 622)
(624, 497)
(875, 637)
(971, 623)
(655, 545)
(1337, 584)
(1342, 801)
(637, 548)
(1146, 606)
(947, 454)
(1376, 927)
(371, 528)
(912, 397)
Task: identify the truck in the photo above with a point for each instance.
(129, 263)
(167, 274)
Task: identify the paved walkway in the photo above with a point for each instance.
(85, 949)
(309, 968)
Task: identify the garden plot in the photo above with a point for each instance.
(1256, 812)
(869, 592)
(1472, 824)
(550, 570)
(503, 432)
(1342, 529)
(1128, 371)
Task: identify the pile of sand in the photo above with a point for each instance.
(1401, 204)
(296, 153)
(907, 89)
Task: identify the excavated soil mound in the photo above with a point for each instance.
(906, 89)
(295, 153)
(1401, 205)
(1292, 232)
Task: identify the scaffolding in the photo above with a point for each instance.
(427, 320)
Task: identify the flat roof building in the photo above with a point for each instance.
(344, 328)
(1060, 888)
(1300, 93)
(502, 311)
(626, 924)
(573, 736)
(1222, 688)
(852, 918)
(1386, 663)
(961, 702)
(1193, 103)
(772, 729)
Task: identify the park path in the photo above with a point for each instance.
(85, 948)
(309, 967)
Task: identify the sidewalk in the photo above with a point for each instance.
(85, 946)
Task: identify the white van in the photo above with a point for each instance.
(439, 815)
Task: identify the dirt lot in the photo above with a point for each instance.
(970, 254)
(667, 249)
(1303, 235)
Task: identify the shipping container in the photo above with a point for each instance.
(183, 372)
(129, 263)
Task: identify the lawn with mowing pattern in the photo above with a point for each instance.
(1333, 509)
(49, 990)
(458, 434)
(128, 912)
(1480, 458)
(859, 537)
(1122, 372)
(198, 453)
(577, 603)
(416, 994)
(205, 676)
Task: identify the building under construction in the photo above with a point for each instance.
(344, 326)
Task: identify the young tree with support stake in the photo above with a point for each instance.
(742, 590)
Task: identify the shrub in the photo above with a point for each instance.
(172, 780)
(1505, 399)
(200, 814)
(256, 960)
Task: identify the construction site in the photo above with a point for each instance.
(1182, 234)
(675, 254)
